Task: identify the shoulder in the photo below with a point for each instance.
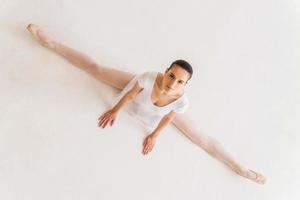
(144, 77)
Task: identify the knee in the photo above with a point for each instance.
(208, 143)
(201, 140)
(96, 69)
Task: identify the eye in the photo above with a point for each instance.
(181, 82)
(171, 75)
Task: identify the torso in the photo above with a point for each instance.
(151, 105)
(159, 99)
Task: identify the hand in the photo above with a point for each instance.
(107, 117)
(149, 143)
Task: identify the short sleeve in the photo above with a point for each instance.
(142, 79)
(182, 106)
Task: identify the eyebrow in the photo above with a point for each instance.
(175, 76)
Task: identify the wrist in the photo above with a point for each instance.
(154, 134)
(115, 109)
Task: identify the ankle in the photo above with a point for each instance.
(239, 169)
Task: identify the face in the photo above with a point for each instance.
(174, 80)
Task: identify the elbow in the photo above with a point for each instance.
(169, 119)
(130, 96)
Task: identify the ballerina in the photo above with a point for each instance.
(166, 98)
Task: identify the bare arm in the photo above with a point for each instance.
(149, 141)
(110, 115)
(168, 118)
(131, 94)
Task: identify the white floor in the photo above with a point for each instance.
(245, 93)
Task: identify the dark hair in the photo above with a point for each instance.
(183, 64)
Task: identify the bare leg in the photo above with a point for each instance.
(119, 79)
(113, 77)
(214, 148)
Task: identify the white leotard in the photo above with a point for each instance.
(142, 107)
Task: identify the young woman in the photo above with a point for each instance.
(154, 98)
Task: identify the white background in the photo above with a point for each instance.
(244, 92)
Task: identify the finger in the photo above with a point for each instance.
(99, 122)
(112, 122)
(147, 149)
(151, 147)
(144, 149)
(107, 121)
(145, 142)
(101, 116)
(103, 122)
(105, 118)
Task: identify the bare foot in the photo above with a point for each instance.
(254, 176)
(40, 36)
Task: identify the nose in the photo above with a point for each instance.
(172, 84)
